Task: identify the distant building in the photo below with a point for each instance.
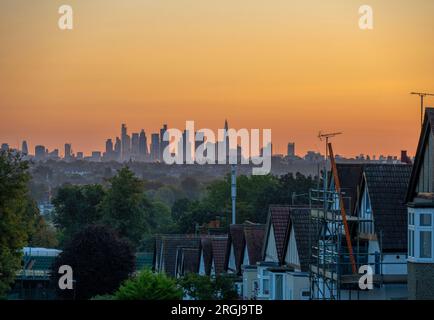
(4, 147)
(163, 144)
(313, 156)
(53, 155)
(135, 146)
(96, 156)
(80, 156)
(126, 144)
(68, 151)
(24, 148)
(291, 150)
(155, 147)
(143, 145)
(108, 154)
(117, 149)
(40, 153)
(109, 146)
(199, 140)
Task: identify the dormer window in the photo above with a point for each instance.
(420, 235)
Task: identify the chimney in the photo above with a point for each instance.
(404, 157)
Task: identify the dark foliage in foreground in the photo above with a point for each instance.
(100, 262)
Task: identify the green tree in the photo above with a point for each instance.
(179, 208)
(198, 213)
(42, 234)
(14, 225)
(191, 187)
(76, 207)
(126, 208)
(160, 218)
(149, 286)
(199, 287)
(254, 196)
(100, 262)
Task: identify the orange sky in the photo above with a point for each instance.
(296, 67)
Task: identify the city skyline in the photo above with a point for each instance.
(135, 146)
(296, 67)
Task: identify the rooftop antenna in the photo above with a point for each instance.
(422, 96)
(326, 136)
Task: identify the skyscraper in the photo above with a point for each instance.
(163, 144)
(68, 151)
(143, 146)
(135, 146)
(118, 149)
(40, 153)
(227, 149)
(109, 146)
(108, 154)
(185, 150)
(126, 144)
(291, 149)
(24, 148)
(155, 147)
(199, 140)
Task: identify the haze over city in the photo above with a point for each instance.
(296, 68)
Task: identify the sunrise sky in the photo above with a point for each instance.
(296, 67)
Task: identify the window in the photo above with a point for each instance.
(425, 220)
(411, 243)
(411, 219)
(367, 205)
(425, 244)
(366, 225)
(420, 235)
(266, 286)
(305, 295)
(264, 282)
(278, 294)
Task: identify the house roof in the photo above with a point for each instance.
(304, 235)
(427, 130)
(191, 260)
(254, 235)
(387, 186)
(219, 251)
(349, 177)
(278, 218)
(166, 250)
(237, 241)
(206, 251)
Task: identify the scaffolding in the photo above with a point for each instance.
(330, 257)
(331, 270)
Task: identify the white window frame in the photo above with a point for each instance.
(414, 232)
(273, 285)
(264, 275)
